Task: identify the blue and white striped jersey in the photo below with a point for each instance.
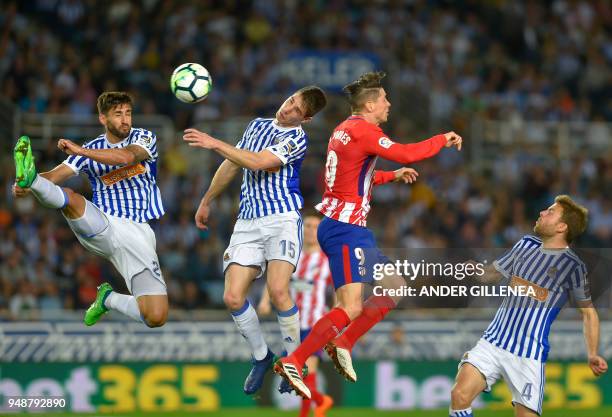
(522, 323)
(277, 190)
(123, 191)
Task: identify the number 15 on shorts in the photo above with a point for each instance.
(288, 248)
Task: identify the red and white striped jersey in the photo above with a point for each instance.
(353, 149)
(308, 286)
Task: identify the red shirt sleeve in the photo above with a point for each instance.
(375, 142)
(383, 177)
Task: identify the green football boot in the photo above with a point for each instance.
(97, 309)
(25, 171)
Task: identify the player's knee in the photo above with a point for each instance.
(353, 311)
(233, 301)
(280, 297)
(155, 317)
(459, 397)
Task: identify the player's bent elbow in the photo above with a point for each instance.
(124, 157)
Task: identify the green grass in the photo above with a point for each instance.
(340, 412)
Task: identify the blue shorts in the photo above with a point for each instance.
(303, 334)
(351, 251)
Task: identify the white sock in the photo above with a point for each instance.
(461, 413)
(49, 194)
(289, 322)
(248, 325)
(125, 304)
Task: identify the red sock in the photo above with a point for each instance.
(311, 383)
(322, 332)
(305, 408)
(374, 310)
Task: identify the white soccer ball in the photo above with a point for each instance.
(190, 82)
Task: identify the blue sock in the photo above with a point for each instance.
(461, 413)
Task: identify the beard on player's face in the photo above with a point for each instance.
(120, 130)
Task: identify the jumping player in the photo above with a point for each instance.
(353, 149)
(309, 285)
(268, 232)
(121, 167)
(515, 345)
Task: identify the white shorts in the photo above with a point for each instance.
(129, 245)
(524, 376)
(257, 241)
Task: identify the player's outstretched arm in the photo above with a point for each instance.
(254, 161)
(410, 152)
(224, 175)
(590, 321)
(129, 155)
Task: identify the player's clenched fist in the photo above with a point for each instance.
(453, 139)
(201, 216)
(405, 175)
(598, 365)
(68, 147)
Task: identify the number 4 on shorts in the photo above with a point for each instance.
(526, 394)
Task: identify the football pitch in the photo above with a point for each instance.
(339, 412)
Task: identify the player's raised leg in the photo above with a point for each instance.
(468, 384)
(48, 193)
(238, 279)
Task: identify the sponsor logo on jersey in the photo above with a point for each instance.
(121, 174)
(145, 140)
(541, 294)
(385, 142)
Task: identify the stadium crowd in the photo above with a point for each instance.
(460, 60)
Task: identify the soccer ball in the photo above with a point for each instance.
(190, 82)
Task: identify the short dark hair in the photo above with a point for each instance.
(314, 99)
(367, 87)
(110, 99)
(574, 216)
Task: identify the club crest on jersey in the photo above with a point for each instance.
(145, 140)
(552, 272)
(226, 256)
(385, 142)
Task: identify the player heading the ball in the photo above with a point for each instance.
(268, 232)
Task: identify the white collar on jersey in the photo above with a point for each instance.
(114, 145)
(279, 127)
